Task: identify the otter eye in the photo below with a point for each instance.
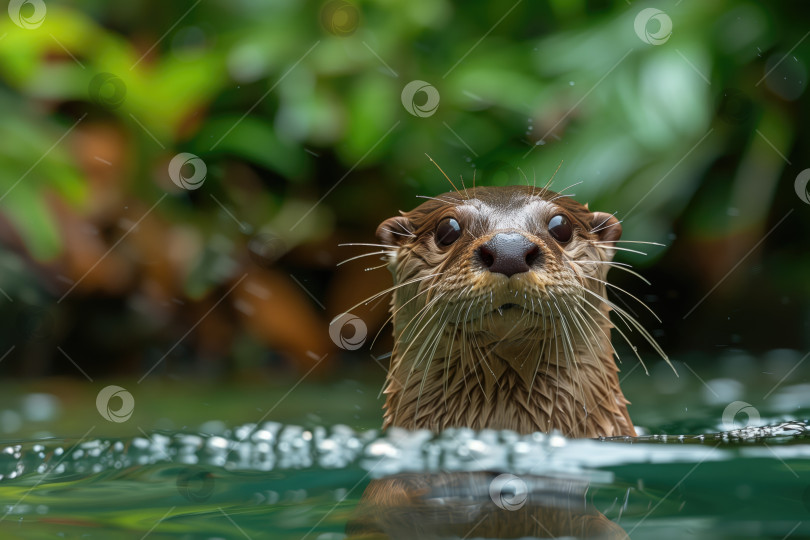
(560, 228)
(448, 231)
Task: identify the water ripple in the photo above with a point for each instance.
(272, 447)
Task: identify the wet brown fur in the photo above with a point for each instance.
(544, 364)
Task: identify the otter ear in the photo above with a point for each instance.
(606, 226)
(394, 231)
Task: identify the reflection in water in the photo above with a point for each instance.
(476, 505)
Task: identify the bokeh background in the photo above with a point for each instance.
(298, 129)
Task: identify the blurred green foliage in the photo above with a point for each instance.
(297, 110)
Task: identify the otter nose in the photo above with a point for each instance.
(509, 254)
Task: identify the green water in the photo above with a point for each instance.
(714, 488)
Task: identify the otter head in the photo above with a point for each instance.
(500, 313)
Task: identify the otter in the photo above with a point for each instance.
(501, 321)
(501, 317)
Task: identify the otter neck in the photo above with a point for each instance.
(566, 380)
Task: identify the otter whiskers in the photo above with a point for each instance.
(501, 314)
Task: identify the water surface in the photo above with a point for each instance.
(252, 461)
